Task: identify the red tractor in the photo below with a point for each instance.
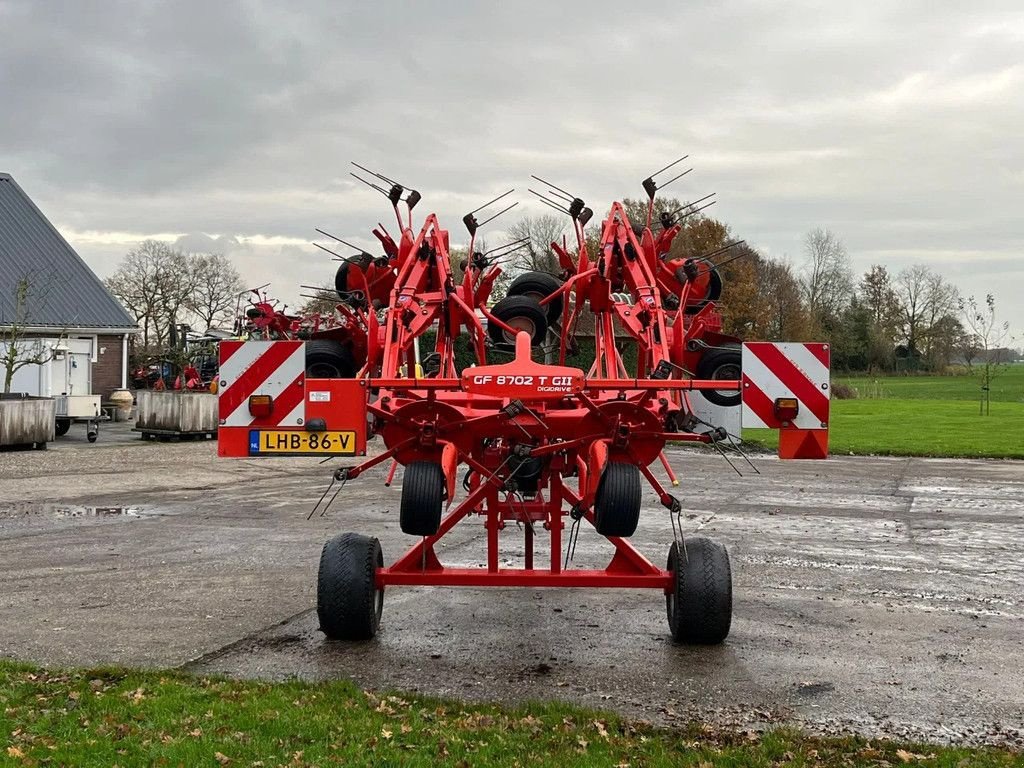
(533, 446)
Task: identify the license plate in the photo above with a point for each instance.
(302, 442)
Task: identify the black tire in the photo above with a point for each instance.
(422, 497)
(539, 285)
(348, 602)
(699, 606)
(721, 363)
(328, 359)
(521, 312)
(62, 426)
(91, 437)
(617, 503)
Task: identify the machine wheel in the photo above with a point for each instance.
(722, 363)
(700, 604)
(91, 437)
(539, 285)
(422, 496)
(522, 313)
(328, 359)
(617, 503)
(348, 602)
(62, 427)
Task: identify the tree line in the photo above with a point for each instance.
(913, 320)
(164, 288)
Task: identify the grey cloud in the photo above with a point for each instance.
(895, 124)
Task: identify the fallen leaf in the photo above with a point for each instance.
(14, 752)
(221, 758)
(385, 733)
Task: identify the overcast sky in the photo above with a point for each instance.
(229, 125)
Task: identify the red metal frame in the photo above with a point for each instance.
(573, 422)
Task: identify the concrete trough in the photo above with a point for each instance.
(26, 420)
(176, 413)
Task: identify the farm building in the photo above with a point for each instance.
(75, 332)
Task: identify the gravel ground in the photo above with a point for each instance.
(876, 595)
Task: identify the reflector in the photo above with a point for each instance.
(261, 405)
(786, 408)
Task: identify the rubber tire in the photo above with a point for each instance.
(62, 426)
(617, 502)
(711, 363)
(539, 285)
(511, 307)
(328, 356)
(422, 497)
(699, 608)
(91, 437)
(348, 603)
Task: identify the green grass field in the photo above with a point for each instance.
(129, 718)
(924, 416)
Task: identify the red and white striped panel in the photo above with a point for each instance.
(772, 370)
(275, 368)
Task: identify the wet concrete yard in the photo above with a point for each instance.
(877, 594)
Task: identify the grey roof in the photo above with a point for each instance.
(63, 292)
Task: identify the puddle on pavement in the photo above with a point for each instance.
(32, 509)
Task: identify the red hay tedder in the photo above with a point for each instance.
(535, 443)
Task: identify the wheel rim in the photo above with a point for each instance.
(520, 324)
(727, 372)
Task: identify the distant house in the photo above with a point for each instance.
(68, 311)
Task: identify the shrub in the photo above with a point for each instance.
(841, 391)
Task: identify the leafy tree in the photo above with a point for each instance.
(878, 296)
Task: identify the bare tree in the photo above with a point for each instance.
(925, 300)
(323, 301)
(18, 349)
(537, 256)
(217, 285)
(827, 279)
(155, 282)
(991, 339)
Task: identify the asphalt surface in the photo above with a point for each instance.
(876, 595)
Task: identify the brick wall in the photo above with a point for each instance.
(106, 371)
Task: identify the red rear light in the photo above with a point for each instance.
(786, 408)
(261, 405)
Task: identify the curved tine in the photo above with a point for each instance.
(381, 176)
(548, 183)
(692, 203)
(499, 213)
(370, 184)
(548, 202)
(517, 243)
(674, 162)
(489, 202)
